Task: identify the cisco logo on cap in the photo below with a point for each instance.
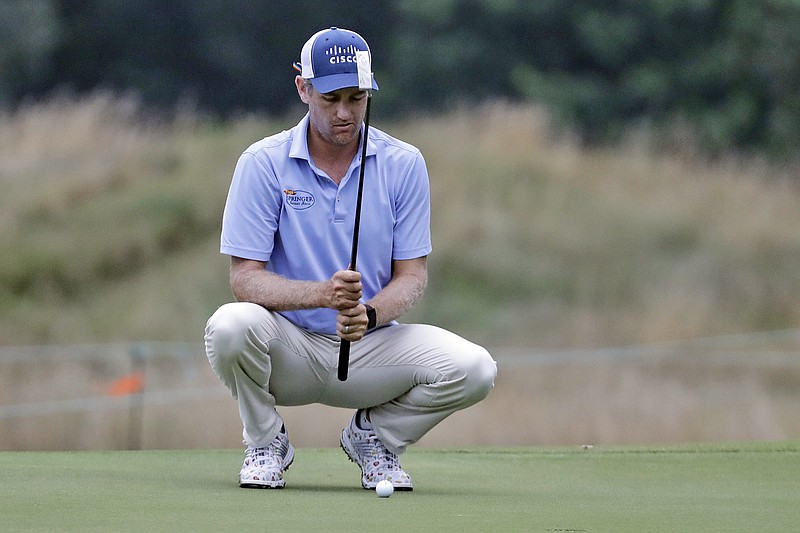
(341, 55)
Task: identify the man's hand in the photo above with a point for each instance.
(351, 324)
(345, 290)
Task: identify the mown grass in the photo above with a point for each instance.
(110, 217)
(726, 488)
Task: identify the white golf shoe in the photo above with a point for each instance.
(377, 463)
(264, 466)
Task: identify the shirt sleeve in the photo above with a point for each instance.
(412, 232)
(252, 210)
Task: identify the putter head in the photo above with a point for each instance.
(364, 66)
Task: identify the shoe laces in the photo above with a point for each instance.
(270, 454)
(374, 453)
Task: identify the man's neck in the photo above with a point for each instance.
(334, 160)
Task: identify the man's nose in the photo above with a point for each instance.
(344, 110)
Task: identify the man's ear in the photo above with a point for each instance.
(302, 89)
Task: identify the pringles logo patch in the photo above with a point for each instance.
(298, 200)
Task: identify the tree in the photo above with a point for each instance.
(29, 33)
(726, 70)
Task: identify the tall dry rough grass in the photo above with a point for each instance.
(110, 217)
(543, 242)
(104, 205)
(60, 153)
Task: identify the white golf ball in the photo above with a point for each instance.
(384, 488)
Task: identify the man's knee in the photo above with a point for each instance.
(480, 371)
(227, 331)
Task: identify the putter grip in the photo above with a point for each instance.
(344, 360)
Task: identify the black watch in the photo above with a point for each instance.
(372, 317)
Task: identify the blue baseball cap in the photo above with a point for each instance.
(328, 60)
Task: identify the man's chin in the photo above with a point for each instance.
(343, 139)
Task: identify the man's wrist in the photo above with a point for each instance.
(372, 317)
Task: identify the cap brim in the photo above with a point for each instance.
(334, 82)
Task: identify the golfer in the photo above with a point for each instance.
(288, 226)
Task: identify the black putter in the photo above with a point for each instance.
(364, 83)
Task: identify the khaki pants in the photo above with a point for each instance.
(411, 376)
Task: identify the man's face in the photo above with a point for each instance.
(335, 117)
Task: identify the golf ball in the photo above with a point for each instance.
(384, 488)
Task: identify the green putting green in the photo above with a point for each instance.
(719, 487)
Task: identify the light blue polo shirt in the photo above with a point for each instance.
(283, 210)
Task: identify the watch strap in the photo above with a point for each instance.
(372, 317)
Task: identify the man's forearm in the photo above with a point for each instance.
(401, 293)
(250, 282)
(275, 292)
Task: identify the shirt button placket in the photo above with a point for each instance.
(339, 210)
